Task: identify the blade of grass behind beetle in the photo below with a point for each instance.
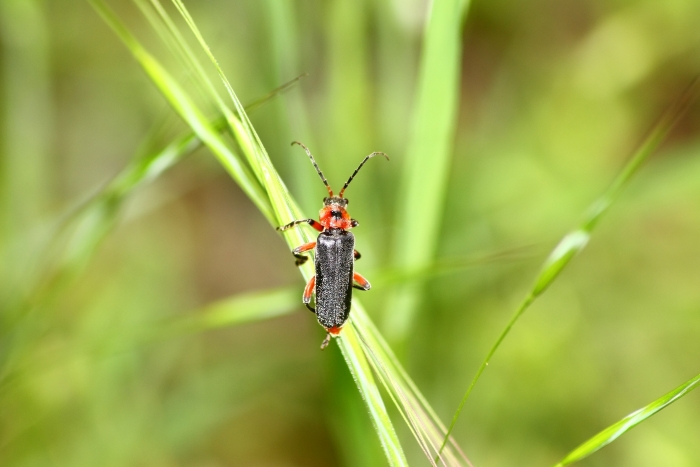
(576, 240)
(428, 156)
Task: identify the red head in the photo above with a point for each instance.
(333, 215)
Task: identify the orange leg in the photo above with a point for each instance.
(300, 249)
(362, 283)
(308, 290)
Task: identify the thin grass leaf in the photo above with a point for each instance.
(187, 110)
(412, 405)
(576, 240)
(616, 430)
(171, 35)
(246, 136)
(231, 311)
(428, 155)
(354, 356)
(242, 308)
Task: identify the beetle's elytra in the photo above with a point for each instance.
(335, 256)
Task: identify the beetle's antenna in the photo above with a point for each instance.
(313, 161)
(358, 169)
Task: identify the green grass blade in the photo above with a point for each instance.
(616, 430)
(428, 154)
(361, 371)
(576, 240)
(423, 423)
(231, 311)
(187, 110)
(242, 308)
(172, 36)
(246, 136)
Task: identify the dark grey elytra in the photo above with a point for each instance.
(334, 270)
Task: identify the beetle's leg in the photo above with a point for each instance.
(308, 290)
(354, 223)
(301, 259)
(326, 341)
(356, 254)
(362, 283)
(313, 223)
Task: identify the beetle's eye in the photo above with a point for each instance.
(325, 199)
(347, 201)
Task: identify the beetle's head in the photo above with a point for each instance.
(333, 215)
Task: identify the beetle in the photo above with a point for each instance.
(335, 255)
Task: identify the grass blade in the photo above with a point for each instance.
(241, 308)
(187, 110)
(361, 371)
(616, 430)
(428, 154)
(231, 311)
(576, 240)
(423, 423)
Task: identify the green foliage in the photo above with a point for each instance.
(155, 323)
(576, 240)
(428, 156)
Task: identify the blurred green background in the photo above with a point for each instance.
(555, 95)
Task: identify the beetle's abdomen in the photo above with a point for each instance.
(334, 268)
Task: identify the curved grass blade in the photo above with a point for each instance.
(354, 356)
(187, 110)
(246, 136)
(421, 419)
(428, 155)
(616, 430)
(242, 308)
(576, 240)
(172, 36)
(231, 311)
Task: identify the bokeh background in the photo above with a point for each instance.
(555, 96)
